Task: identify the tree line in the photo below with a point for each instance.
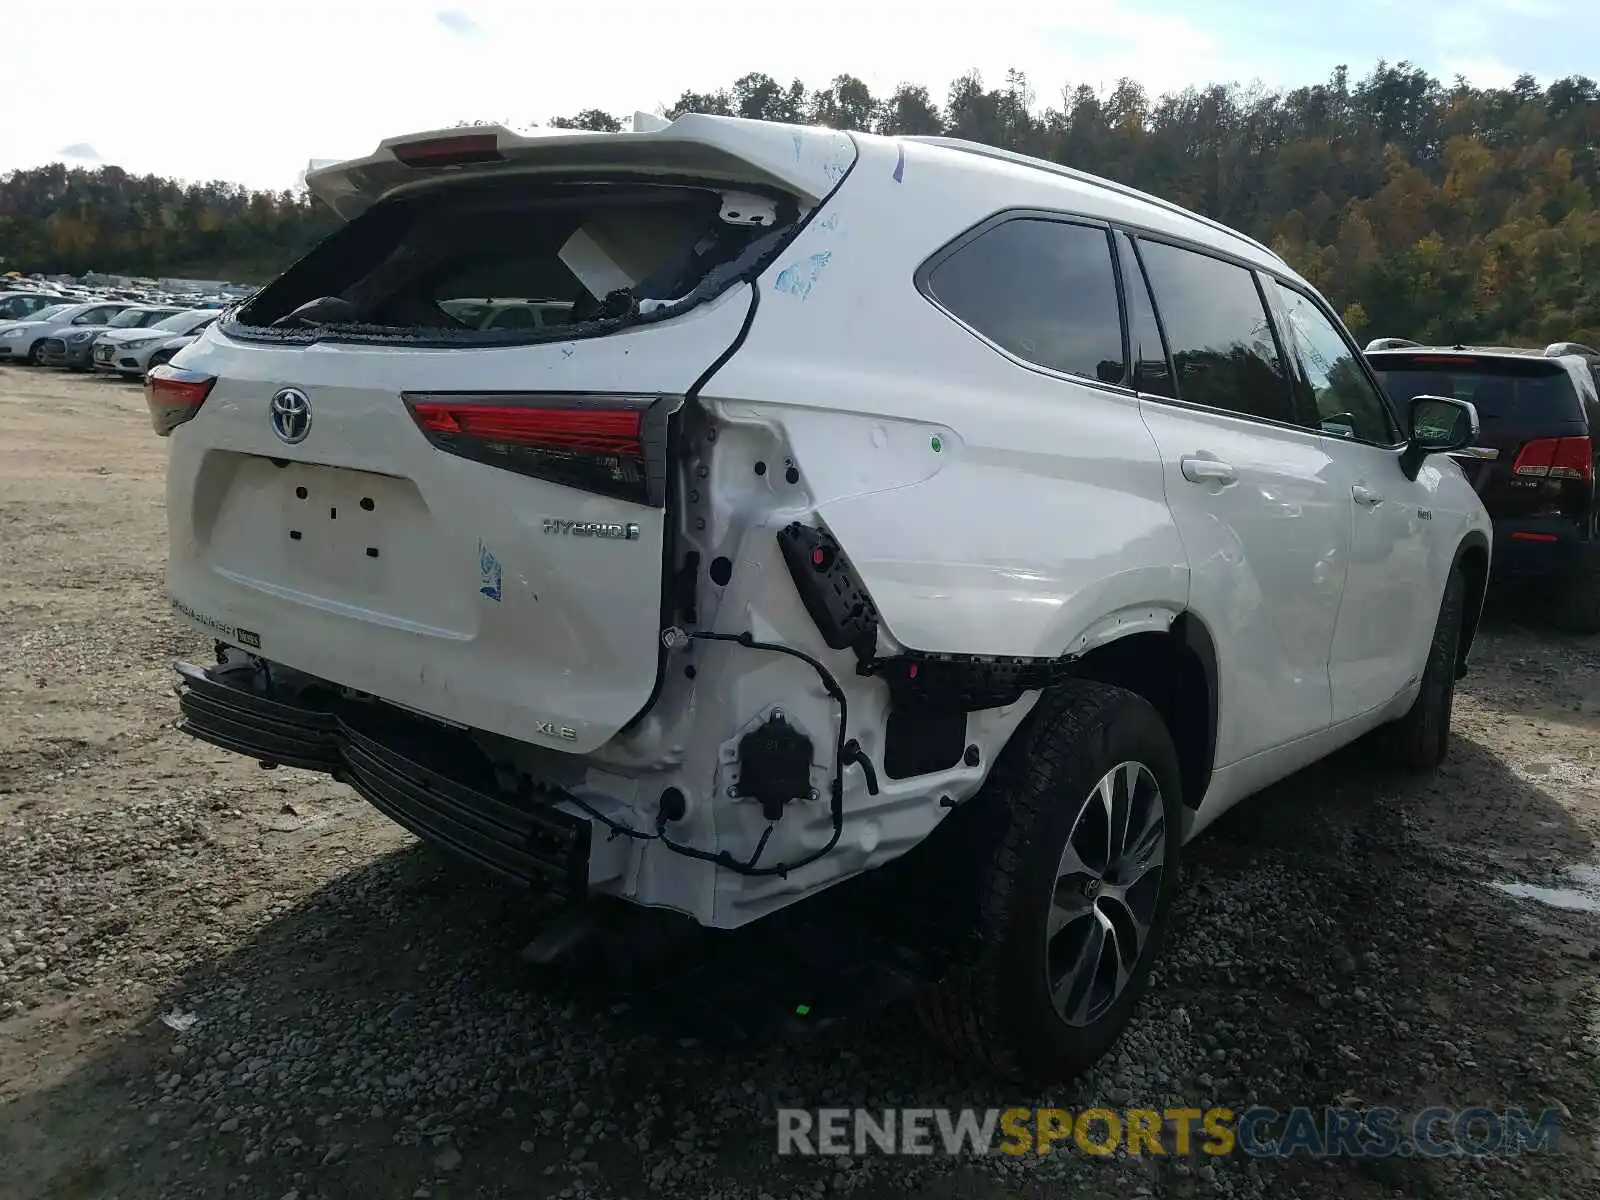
(1424, 209)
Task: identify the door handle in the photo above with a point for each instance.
(1365, 495)
(1207, 470)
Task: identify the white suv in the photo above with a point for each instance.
(876, 492)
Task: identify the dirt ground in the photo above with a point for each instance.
(363, 1025)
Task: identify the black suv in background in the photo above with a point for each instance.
(1541, 410)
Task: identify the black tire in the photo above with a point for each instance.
(1575, 607)
(33, 353)
(994, 1007)
(1421, 739)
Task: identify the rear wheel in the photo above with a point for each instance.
(1421, 738)
(1082, 822)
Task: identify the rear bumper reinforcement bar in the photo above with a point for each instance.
(527, 841)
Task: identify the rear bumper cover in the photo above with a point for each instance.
(528, 841)
(1541, 548)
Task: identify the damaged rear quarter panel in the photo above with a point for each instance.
(988, 508)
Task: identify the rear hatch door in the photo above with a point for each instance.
(368, 554)
(471, 523)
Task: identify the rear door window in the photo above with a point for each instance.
(1043, 290)
(1331, 370)
(1221, 339)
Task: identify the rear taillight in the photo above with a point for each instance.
(175, 395)
(612, 445)
(1556, 458)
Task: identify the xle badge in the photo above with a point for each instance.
(550, 729)
(615, 530)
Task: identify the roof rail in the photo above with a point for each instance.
(1390, 343)
(1557, 349)
(1122, 189)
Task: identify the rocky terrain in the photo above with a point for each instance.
(221, 981)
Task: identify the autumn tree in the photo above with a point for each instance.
(1423, 208)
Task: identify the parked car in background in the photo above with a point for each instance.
(877, 497)
(21, 305)
(1540, 411)
(132, 352)
(72, 349)
(24, 340)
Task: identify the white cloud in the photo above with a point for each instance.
(320, 79)
(80, 152)
(459, 23)
(1480, 72)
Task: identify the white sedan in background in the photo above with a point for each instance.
(132, 352)
(23, 341)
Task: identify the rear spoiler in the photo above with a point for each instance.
(804, 161)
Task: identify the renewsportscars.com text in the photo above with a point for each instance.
(1258, 1131)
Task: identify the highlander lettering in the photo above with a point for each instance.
(216, 626)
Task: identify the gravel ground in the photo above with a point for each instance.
(363, 1025)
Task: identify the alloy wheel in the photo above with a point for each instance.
(1106, 892)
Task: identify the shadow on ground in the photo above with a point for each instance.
(384, 1039)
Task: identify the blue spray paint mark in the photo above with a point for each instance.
(797, 147)
(829, 222)
(797, 278)
(566, 352)
(488, 573)
(900, 164)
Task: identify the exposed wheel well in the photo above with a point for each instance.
(1176, 672)
(1473, 559)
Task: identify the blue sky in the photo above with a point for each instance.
(250, 93)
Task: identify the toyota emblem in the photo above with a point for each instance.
(291, 415)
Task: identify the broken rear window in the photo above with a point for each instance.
(506, 261)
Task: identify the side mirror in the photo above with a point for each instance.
(1439, 425)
